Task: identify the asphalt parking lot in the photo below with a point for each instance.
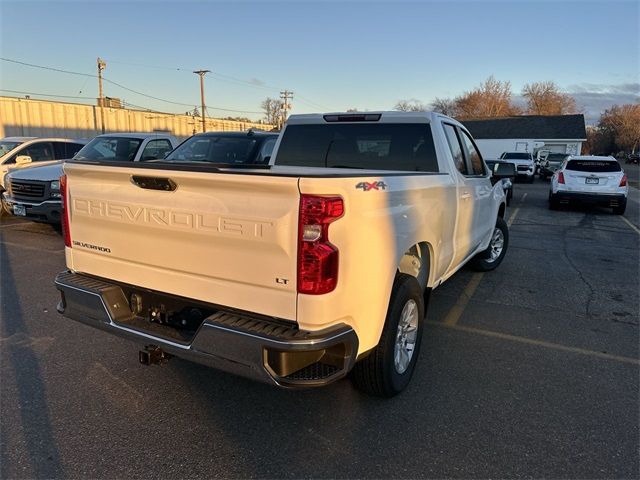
(528, 371)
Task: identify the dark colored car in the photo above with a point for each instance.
(550, 164)
(507, 183)
(226, 148)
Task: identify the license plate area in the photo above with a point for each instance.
(20, 210)
(592, 181)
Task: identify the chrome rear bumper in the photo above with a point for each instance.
(263, 349)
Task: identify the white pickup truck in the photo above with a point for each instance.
(295, 272)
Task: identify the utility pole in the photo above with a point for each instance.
(285, 96)
(101, 66)
(202, 73)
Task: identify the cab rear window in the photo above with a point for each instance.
(404, 147)
(594, 166)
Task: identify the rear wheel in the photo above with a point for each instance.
(554, 203)
(619, 210)
(497, 249)
(387, 370)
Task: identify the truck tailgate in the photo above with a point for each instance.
(225, 239)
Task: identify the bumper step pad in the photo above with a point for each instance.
(265, 349)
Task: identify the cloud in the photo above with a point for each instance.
(594, 98)
(257, 82)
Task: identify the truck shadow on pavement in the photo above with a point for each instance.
(19, 358)
(278, 433)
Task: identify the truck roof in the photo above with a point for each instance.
(248, 133)
(383, 117)
(136, 134)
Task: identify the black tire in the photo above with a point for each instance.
(619, 210)
(484, 262)
(509, 196)
(376, 374)
(554, 204)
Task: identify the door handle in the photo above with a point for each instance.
(154, 183)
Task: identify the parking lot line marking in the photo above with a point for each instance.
(631, 225)
(458, 309)
(513, 217)
(538, 343)
(25, 247)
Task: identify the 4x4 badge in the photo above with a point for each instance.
(366, 186)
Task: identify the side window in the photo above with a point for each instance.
(156, 149)
(266, 150)
(73, 148)
(475, 160)
(39, 152)
(60, 151)
(456, 148)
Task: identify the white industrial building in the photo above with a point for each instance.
(528, 133)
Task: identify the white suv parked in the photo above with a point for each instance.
(590, 179)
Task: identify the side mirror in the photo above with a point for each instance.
(504, 170)
(23, 159)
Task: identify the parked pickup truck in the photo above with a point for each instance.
(525, 165)
(34, 191)
(296, 272)
(22, 152)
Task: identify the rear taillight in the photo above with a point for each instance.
(561, 177)
(623, 181)
(65, 211)
(317, 257)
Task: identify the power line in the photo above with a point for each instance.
(230, 79)
(122, 86)
(223, 76)
(144, 94)
(48, 68)
(309, 102)
(44, 94)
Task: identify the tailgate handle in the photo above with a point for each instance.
(154, 183)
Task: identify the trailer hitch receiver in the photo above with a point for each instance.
(153, 355)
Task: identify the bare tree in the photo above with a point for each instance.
(622, 124)
(491, 99)
(411, 105)
(545, 98)
(446, 106)
(272, 108)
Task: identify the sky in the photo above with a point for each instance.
(333, 55)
